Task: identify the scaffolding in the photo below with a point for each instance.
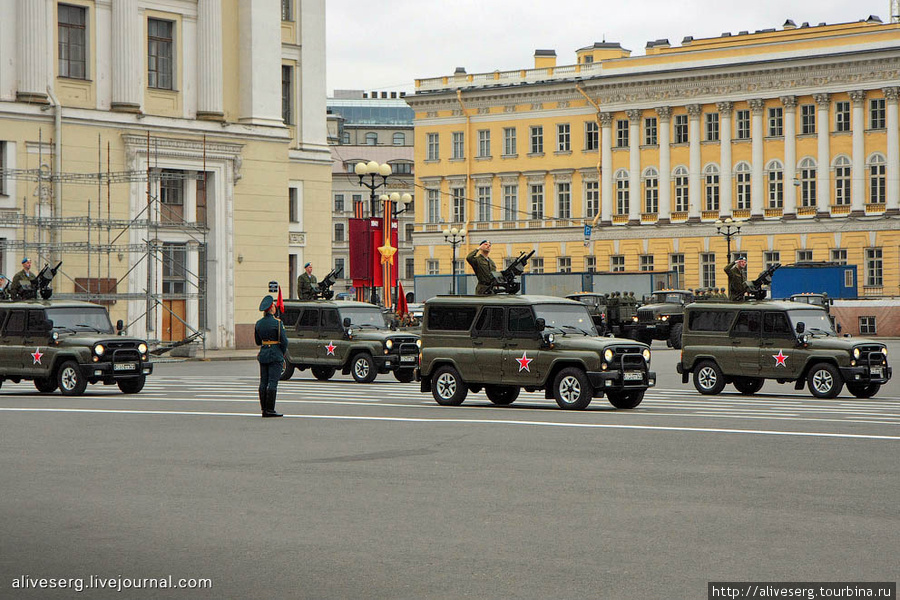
(39, 236)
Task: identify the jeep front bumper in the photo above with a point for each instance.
(621, 380)
(392, 362)
(866, 374)
(120, 370)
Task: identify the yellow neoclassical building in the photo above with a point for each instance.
(793, 132)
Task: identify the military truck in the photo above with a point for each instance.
(507, 343)
(66, 345)
(662, 318)
(789, 342)
(597, 308)
(355, 337)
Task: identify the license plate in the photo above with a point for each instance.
(634, 376)
(124, 367)
(407, 359)
(876, 372)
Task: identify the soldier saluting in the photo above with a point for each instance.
(483, 266)
(21, 283)
(737, 284)
(306, 284)
(272, 340)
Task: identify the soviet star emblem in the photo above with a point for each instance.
(36, 355)
(330, 348)
(524, 362)
(780, 358)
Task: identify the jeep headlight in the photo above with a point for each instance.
(142, 348)
(389, 344)
(608, 355)
(856, 353)
(634, 318)
(884, 351)
(664, 318)
(419, 343)
(646, 354)
(99, 349)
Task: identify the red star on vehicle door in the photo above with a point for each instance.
(36, 355)
(780, 358)
(330, 348)
(524, 362)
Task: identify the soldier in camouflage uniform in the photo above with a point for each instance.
(737, 283)
(483, 266)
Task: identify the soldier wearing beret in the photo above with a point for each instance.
(21, 286)
(483, 266)
(272, 340)
(306, 284)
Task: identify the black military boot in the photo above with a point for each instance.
(262, 401)
(270, 404)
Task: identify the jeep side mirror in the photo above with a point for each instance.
(346, 322)
(801, 327)
(47, 325)
(839, 328)
(120, 325)
(540, 324)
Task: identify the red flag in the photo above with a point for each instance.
(402, 306)
(280, 302)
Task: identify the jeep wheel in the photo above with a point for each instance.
(708, 378)
(132, 385)
(364, 370)
(70, 380)
(824, 381)
(862, 390)
(502, 395)
(404, 375)
(625, 400)
(572, 389)
(45, 385)
(287, 371)
(323, 373)
(748, 385)
(675, 336)
(447, 387)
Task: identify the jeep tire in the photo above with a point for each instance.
(748, 385)
(675, 336)
(625, 399)
(863, 390)
(824, 381)
(70, 380)
(708, 378)
(502, 395)
(404, 375)
(132, 385)
(447, 386)
(363, 368)
(287, 371)
(323, 373)
(45, 385)
(572, 389)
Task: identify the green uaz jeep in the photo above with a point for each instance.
(504, 344)
(325, 336)
(747, 343)
(67, 345)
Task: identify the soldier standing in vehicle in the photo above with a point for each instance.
(737, 283)
(21, 282)
(483, 266)
(306, 284)
(4, 287)
(272, 340)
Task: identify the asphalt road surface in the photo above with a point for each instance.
(375, 492)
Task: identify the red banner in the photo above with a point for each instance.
(366, 236)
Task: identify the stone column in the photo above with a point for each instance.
(892, 172)
(636, 198)
(33, 51)
(695, 190)
(823, 160)
(725, 167)
(127, 63)
(858, 175)
(606, 191)
(259, 37)
(209, 60)
(757, 174)
(663, 129)
(790, 155)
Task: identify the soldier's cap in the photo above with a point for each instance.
(2, 276)
(266, 303)
(25, 260)
(307, 264)
(484, 242)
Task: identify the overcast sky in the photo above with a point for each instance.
(386, 45)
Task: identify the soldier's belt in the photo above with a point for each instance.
(267, 343)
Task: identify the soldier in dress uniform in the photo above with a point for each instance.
(272, 340)
(306, 284)
(21, 282)
(483, 266)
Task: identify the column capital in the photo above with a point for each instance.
(694, 110)
(858, 96)
(634, 114)
(725, 108)
(891, 94)
(757, 105)
(665, 113)
(789, 102)
(822, 99)
(605, 119)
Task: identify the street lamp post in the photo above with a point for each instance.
(394, 200)
(731, 228)
(454, 237)
(373, 170)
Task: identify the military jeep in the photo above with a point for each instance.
(789, 342)
(325, 336)
(663, 317)
(504, 344)
(67, 345)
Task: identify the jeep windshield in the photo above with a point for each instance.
(568, 318)
(816, 322)
(81, 319)
(364, 317)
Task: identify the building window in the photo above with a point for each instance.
(708, 270)
(72, 46)
(590, 264)
(804, 255)
(681, 129)
(536, 265)
(867, 326)
(591, 135)
(510, 202)
(537, 139)
(621, 133)
(484, 143)
(408, 230)
(564, 264)
(459, 204)
(410, 268)
(457, 145)
(434, 205)
(399, 138)
(651, 191)
(433, 148)
(537, 201)
(807, 119)
(174, 271)
(3, 165)
(842, 116)
(681, 189)
(509, 141)
(842, 181)
(160, 54)
(591, 198)
(338, 203)
(712, 127)
(742, 124)
(839, 255)
(345, 138)
(294, 205)
(776, 122)
(650, 128)
(338, 232)
(432, 267)
(287, 13)
(711, 187)
(770, 258)
(171, 197)
(742, 182)
(483, 193)
(371, 139)
(646, 262)
(775, 178)
(287, 95)
(622, 192)
(877, 179)
(807, 183)
(563, 138)
(339, 268)
(564, 200)
(874, 267)
(401, 168)
(876, 113)
(617, 263)
(676, 263)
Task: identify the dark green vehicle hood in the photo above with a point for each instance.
(380, 335)
(840, 343)
(583, 342)
(662, 309)
(87, 340)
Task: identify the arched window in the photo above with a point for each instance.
(651, 190)
(877, 178)
(621, 192)
(775, 179)
(680, 176)
(711, 187)
(371, 138)
(742, 183)
(842, 170)
(807, 183)
(399, 139)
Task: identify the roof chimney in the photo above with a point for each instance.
(544, 59)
